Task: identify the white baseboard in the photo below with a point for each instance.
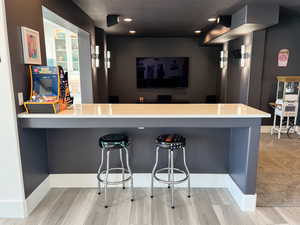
(245, 202)
(23, 208)
(142, 180)
(37, 196)
(12, 209)
(16, 209)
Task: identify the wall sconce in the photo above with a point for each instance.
(244, 56)
(222, 59)
(108, 56)
(97, 56)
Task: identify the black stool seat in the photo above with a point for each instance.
(172, 141)
(113, 140)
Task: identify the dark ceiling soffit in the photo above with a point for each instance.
(250, 18)
(212, 31)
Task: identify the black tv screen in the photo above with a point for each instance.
(163, 72)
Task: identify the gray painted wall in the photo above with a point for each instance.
(263, 68)
(102, 70)
(29, 14)
(237, 76)
(243, 84)
(77, 150)
(284, 35)
(33, 156)
(203, 75)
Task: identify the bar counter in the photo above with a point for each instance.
(221, 139)
(155, 111)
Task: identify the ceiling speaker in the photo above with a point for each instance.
(112, 20)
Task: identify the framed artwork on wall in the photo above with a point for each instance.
(31, 46)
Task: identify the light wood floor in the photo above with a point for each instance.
(206, 207)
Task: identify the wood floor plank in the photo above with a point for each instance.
(141, 208)
(290, 214)
(81, 207)
(206, 207)
(57, 213)
(98, 215)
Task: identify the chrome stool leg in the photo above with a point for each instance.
(188, 172)
(129, 170)
(169, 166)
(106, 178)
(172, 180)
(171, 169)
(122, 165)
(99, 171)
(153, 171)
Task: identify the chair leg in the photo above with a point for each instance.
(172, 180)
(274, 124)
(99, 172)
(123, 170)
(280, 127)
(169, 166)
(106, 179)
(130, 172)
(188, 172)
(153, 171)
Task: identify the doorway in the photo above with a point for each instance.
(69, 46)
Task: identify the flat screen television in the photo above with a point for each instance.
(162, 72)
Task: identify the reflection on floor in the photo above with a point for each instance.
(207, 206)
(278, 182)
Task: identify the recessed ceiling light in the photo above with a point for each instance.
(132, 32)
(212, 19)
(127, 19)
(197, 31)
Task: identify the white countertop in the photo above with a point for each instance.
(155, 111)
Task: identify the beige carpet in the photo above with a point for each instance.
(278, 181)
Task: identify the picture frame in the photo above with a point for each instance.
(31, 46)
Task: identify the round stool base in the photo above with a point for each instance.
(170, 182)
(126, 173)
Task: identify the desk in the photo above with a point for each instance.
(221, 139)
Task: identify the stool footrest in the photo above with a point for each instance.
(103, 172)
(170, 182)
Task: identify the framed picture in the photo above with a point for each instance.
(31, 46)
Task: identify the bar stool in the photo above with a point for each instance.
(171, 143)
(109, 143)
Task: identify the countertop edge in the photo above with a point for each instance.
(58, 116)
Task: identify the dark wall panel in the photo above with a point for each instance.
(256, 72)
(284, 35)
(33, 151)
(207, 149)
(34, 158)
(236, 91)
(102, 70)
(203, 72)
(29, 14)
